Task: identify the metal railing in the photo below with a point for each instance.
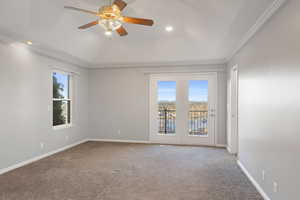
(198, 122)
(166, 121)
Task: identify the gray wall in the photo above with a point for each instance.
(26, 92)
(269, 103)
(119, 100)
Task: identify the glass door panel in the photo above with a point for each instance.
(198, 107)
(166, 97)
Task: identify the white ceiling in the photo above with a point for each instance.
(204, 30)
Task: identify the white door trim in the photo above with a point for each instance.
(233, 117)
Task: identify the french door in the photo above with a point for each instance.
(183, 108)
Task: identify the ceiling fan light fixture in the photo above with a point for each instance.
(110, 24)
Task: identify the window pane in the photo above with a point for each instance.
(69, 112)
(166, 107)
(59, 112)
(198, 107)
(60, 85)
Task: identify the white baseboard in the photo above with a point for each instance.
(253, 181)
(145, 142)
(221, 146)
(121, 141)
(26, 162)
(21, 164)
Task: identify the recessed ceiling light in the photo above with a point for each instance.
(169, 28)
(108, 33)
(29, 42)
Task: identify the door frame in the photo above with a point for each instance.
(233, 102)
(176, 138)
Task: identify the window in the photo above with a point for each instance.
(62, 99)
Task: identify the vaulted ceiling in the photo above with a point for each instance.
(204, 30)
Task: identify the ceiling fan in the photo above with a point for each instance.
(111, 18)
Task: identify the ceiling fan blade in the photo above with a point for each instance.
(89, 25)
(122, 31)
(81, 10)
(121, 4)
(132, 20)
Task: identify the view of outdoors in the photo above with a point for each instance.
(166, 107)
(61, 99)
(198, 107)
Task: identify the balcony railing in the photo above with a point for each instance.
(198, 122)
(166, 121)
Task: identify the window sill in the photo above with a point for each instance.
(61, 127)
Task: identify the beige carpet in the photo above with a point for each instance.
(111, 171)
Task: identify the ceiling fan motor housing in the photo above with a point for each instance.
(110, 12)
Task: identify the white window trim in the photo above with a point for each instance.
(71, 86)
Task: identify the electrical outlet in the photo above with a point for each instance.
(263, 175)
(42, 145)
(119, 132)
(275, 187)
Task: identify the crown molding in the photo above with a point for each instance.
(181, 69)
(267, 14)
(174, 68)
(60, 56)
(9, 38)
(182, 63)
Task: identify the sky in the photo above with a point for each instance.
(198, 90)
(62, 79)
